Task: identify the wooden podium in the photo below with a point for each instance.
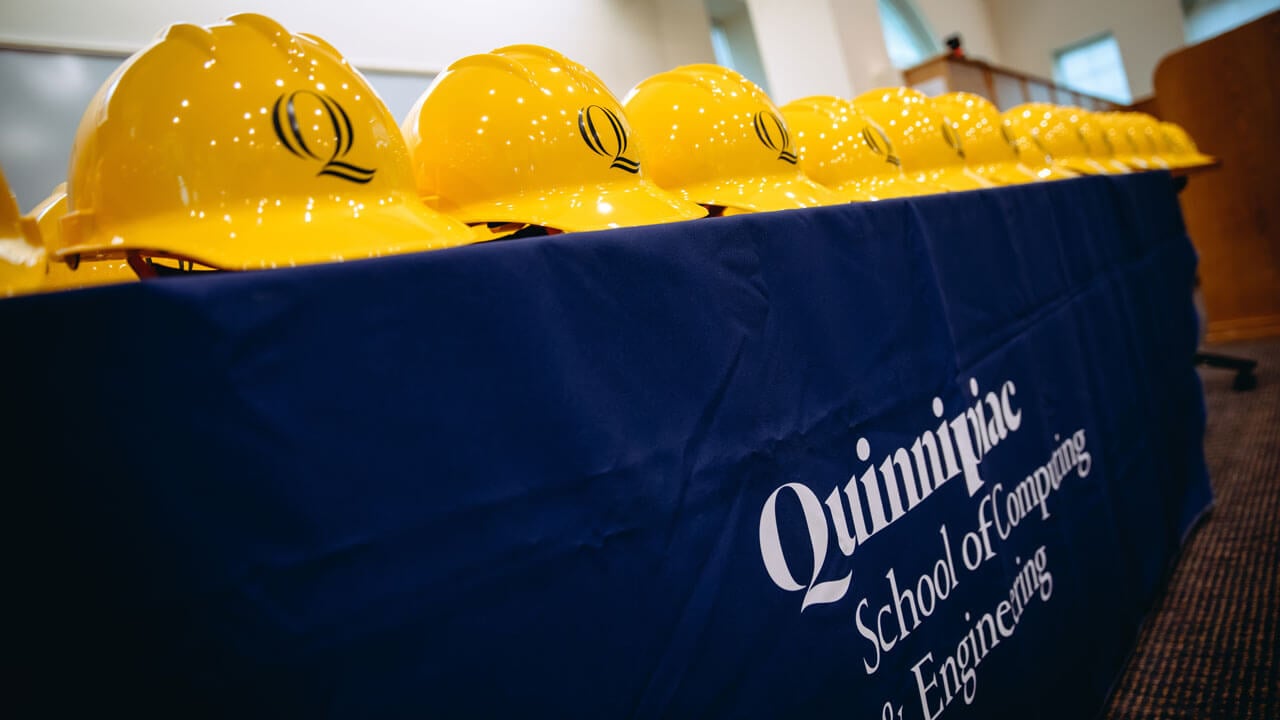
(1224, 92)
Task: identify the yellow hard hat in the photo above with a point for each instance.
(1030, 148)
(926, 143)
(1179, 149)
(21, 255)
(1147, 131)
(241, 146)
(989, 148)
(1042, 128)
(843, 149)
(525, 135)
(713, 137)
(1132, 145)
(1097, 144)
(44, 222)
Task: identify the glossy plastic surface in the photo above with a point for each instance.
(239, 146)
(1097, 144)
(1045, 129)
(926, 143)
(843, 149)
(1134, 145)
(21, 256)
(1146, 130)
(525, 135)
(1179, 149)
(45, 219)
(713, 137)
(988, 147)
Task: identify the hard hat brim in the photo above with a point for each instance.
(42, 222)
(22, 267)
(89, 274)
(852, 192)
(1045, 172)
(885, 188)
(788, 191)
(1053, 171)
(284, 236)
(957, 178)
(1135, 162)
(1190, 160)
(1144, 162)
(1119, 167)
(1007, 173)
(583, 208)
(1093, 166)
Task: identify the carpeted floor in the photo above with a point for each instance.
(1210, 647)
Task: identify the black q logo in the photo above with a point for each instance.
(949, 134)
(774, 135)
(285, 118)
(879, 143)
(605, 134)
(1008, 138)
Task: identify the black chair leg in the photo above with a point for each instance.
(1245, 379)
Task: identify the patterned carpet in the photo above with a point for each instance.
(1210, 646)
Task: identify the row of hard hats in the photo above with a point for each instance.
(242, 145)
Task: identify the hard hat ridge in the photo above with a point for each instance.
(524, 136)
(262, 149)
(194, 35)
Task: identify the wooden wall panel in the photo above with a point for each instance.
(1147, 105)
(1226, 93)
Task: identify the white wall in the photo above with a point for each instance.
(866, 58)
(970, 18)
(836, 47)
(744, 47)
(1029, 31)
(801, 48)
(624, 41)
(684, 30)
(1208, 18)
(807, 46)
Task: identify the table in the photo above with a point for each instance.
(915, 459)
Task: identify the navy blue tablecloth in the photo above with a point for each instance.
(914, 459)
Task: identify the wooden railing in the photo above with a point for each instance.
(1002, 86)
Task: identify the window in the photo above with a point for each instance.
(720, 44)
(733, 38)
(905, 34)
(1204, 19)
(1094, 67)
